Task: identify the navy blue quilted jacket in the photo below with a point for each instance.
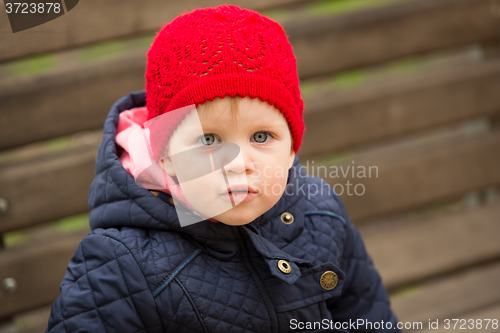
(139, 271)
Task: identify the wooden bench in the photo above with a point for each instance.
(410, 88)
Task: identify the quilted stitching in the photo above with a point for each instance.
(100, 287)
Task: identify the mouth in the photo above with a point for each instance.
(239, 193)
(240, 188)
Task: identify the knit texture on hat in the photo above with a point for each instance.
(214, 52)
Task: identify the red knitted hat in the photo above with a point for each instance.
(214, 52)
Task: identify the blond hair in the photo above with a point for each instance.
(210, 106)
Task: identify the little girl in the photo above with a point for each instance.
(220, 124)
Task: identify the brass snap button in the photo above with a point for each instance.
(328, 280)
(284, 266)
(287, 218)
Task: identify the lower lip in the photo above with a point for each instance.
(238, 197)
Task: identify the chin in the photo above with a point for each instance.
(235, 217)
(233, 221)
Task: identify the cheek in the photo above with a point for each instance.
(273, 169)
(203, 194)
(273, 182)
(278, 187)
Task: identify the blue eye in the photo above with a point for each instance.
(208, 139)
(261, 137)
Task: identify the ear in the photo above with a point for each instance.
(166, 164)
(291, 158)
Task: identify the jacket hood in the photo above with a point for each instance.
(135, 153)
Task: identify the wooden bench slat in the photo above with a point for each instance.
(328, 45)
(353, 39)
(34, 321)
(38, 270)
(114, 19)
(411, 176)
(383, 110)
(47, 188)
(61, 103)
(450, 298)
(408, 252)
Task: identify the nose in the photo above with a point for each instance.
(243, 163)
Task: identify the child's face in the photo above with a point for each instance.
(265, 156)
